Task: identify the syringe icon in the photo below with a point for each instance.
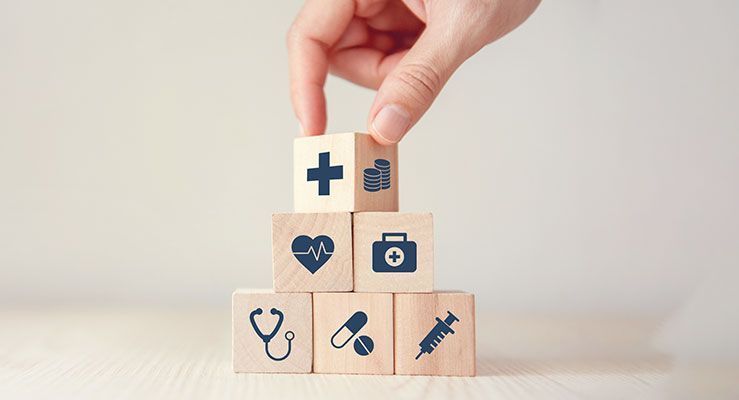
(437, 333)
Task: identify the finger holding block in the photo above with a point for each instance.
(435, 334)
(393, 252)
(344, 172)
(353, 333)
(272, 332)
(312, 252)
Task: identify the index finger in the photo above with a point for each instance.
(318, 26)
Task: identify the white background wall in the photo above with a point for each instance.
(587, 162)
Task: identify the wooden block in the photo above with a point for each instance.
(418, 316)
(312, 252)
(353, 333)
(393, 252)
(249, 349)
(344, 172)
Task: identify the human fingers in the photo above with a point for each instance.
(364, 66)
(454, 32)
(318, 26)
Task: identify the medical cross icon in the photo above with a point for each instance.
(394, 256)
(324, 173)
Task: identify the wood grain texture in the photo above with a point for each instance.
(249, 349)
(415, 317)
(290, 275)
(354, 152)
(369, 228)
(172, 353)
(331, 311)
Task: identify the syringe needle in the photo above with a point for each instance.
(419, 354)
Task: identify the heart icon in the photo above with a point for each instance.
(313, 253)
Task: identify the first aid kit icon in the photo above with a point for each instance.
(394, 253)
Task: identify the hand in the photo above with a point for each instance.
(406, 50)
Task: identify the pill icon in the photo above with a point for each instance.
(364, 345)
(350, 328)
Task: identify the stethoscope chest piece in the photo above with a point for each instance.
(289, 335)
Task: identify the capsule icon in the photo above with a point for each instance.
(350, 328)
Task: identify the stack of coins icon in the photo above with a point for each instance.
(377, 178)
(384, 167)
(372, 180)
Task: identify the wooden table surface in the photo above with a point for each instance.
(106, 353)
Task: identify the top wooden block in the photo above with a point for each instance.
(344, 172)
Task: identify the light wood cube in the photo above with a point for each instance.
(344, 172)
(312, 252)
(353, 333)
(393, 252)
(291, 348)
(419, 318)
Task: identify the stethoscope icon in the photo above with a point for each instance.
(289, 335)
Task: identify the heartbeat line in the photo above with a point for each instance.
(316, 253)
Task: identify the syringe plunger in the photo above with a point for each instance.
(450, 318)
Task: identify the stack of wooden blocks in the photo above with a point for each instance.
(353, 277)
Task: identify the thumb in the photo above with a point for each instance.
(411, 87)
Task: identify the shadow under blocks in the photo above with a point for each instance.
(353, 288)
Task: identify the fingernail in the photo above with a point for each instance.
(302, 130)
(391, 123)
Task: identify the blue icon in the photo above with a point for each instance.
(363, 345)
(437, 334)
(289, 335)
(313, 253)
(324, 173)
(393, 255)
(377, 178)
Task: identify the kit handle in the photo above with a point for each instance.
(391, 234)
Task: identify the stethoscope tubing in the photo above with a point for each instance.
(289, 335)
